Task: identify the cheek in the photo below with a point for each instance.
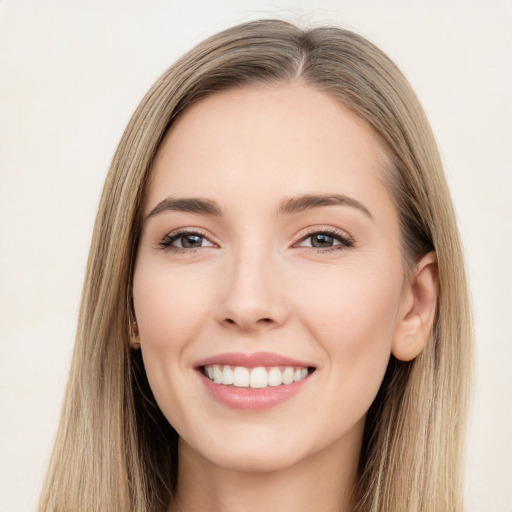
(350, 303)
(169, 307)
(353, 315)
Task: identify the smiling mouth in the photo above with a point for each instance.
(258, 377)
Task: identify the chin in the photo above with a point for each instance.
(255, 462)
(247, 456)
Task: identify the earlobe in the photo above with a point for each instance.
(134, 334)
(418, 310)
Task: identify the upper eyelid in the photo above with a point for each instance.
(307, 232)
(331, 231)
(187, 231)
(331, 234)
(167, 240)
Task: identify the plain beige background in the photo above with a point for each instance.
(71, 75)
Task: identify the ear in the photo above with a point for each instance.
(134, 333)
(417, 312)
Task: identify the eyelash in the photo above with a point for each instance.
(346, 241)
(166, 243)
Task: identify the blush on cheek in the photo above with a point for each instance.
(355, 322)
(166, 307)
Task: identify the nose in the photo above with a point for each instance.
(253, 297)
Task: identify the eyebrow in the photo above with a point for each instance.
(187, 204)
(288, 206)
(310, 201)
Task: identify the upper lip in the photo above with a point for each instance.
(252, 360)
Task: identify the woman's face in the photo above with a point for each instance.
(269, 261)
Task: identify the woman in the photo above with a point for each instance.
(275, 311)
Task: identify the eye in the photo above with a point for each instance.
(185, 240)
(326, 240)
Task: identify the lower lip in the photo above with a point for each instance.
(252, 399)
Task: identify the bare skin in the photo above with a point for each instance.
(254, 265)
(202, 486)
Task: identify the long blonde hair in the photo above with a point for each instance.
(114, 450)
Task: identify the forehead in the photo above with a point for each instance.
(260, 143)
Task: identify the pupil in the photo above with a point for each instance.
(321, 241)
(191, 241)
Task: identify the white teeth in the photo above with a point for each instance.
(259, 377)
(275, 377)
(227, 376)
(288, 375)
(241, 377)
(217, 374)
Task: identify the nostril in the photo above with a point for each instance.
(260, 321)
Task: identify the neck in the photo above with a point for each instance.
(324, 481)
